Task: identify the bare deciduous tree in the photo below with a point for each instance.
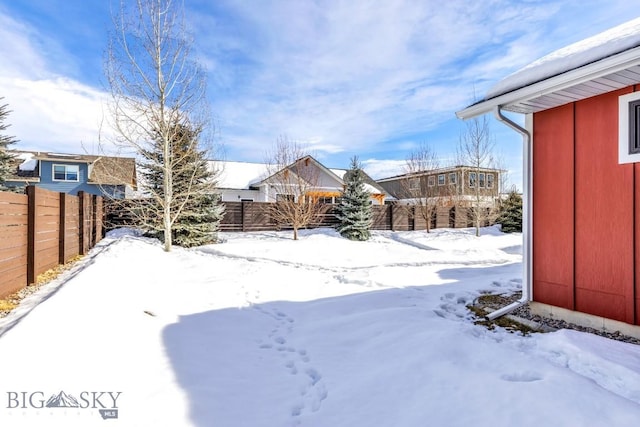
(476, 150)
(157, 92)
(415, 187)
(293, 178)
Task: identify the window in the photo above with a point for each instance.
(432, 181)
(481, 180)
(453, 178)
(414, 184)
(489, 180)
(629, 128)
(65, 172)
(325, 200)
(472, 179)
(441, 179)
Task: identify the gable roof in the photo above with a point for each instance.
(243, 175)
(596, 65)
(293, 168)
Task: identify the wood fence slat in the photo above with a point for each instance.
(39, 230)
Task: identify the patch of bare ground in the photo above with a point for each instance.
(522, 320)
(12, 301)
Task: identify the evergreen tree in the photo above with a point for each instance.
(198, 209)
(354, 210)
(511, 213)
(6, 165)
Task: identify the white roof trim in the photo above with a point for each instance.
(586, 73)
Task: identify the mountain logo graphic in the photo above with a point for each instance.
(62, 400)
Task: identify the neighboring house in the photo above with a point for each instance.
(70, 173)
(456, 185)
(240, 181)
(582, 178)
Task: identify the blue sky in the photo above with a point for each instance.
(368, 78)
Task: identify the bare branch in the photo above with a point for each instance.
(293, 178)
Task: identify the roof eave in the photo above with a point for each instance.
(589, 72)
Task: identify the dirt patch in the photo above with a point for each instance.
(12, 301)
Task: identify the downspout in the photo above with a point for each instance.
(527, 215)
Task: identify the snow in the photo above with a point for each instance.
(29, 162)
(605, 44)
(239, 175)
(261, 330)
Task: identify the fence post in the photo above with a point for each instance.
(31, 234)
(63, 228)
(81, 219)
(391, 216)
(412, 219)
(244, 228)
(99, 218)
(94, 219)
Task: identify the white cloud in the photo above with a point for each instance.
(49, 112)
(378, 169)
(342, 76)
(357, 74)
(53, 114)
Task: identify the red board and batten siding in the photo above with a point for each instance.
(553, 188)
(637, 247)
(586, 210)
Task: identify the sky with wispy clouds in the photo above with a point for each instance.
(374, 79)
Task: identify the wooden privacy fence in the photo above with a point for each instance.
(254, 216)
(41, 229)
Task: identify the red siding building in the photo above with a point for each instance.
(582, 178)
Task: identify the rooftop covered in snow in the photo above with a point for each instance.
(596, 65)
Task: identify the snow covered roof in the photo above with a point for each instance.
(29, 162)
(239, 175)
(596, 65)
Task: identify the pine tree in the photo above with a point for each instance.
(5, 158)
(199, 210)
(354, 210)
(511, 213)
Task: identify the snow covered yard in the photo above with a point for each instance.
(265, 331)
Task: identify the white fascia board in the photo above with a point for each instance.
(562, 81)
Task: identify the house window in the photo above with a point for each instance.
(453, 178)
(629, 128)
(634, 127)
(325, 200)
(441, 179)
(432, 181)
(414, 184)
(472, 179)
(481, 180)
(489, 180)
(66, 172)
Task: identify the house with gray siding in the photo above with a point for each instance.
(455, 185)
